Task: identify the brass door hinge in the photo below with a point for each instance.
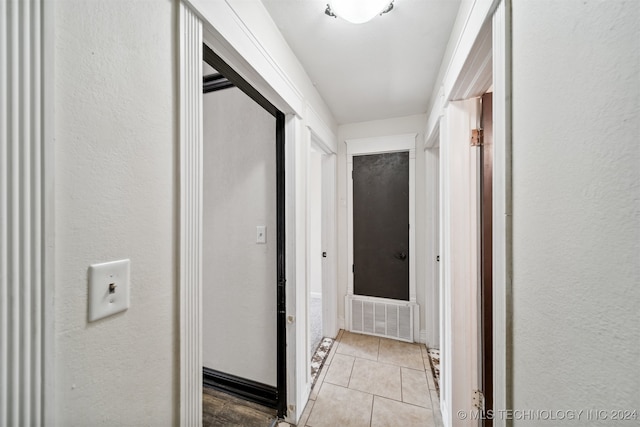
(476, 137)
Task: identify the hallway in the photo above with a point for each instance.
(102, 160)
(371, 381)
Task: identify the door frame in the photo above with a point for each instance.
(330, 245)
(225, 31)
(248, 389)
(329, 233)
(432, 239)
(470, 67)
(380, 145)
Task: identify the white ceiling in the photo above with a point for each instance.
(381, 69)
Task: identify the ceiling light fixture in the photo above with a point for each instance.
(358, 11)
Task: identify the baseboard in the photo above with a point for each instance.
(243, 388)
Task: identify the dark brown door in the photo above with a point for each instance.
(381, 225)
(486, 284)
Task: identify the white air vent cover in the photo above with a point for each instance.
(381, 317)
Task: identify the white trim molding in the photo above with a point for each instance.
(237, 42)
(378, 145)
(298, 377)
(26, 213)
(475, 77)
(323, 134)
(191, 152)
(502, 212)
(469, 48)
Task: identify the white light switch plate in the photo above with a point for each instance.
(108, 289)
(261, 234)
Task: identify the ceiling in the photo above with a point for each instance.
(381, 69)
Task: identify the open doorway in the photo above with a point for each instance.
(433, 290)
(486, 257)
(316, 252)
(243, 317)
(321, 299)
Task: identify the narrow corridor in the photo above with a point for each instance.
(371, 381)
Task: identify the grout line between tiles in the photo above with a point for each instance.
(373, 402)
(413, 404)
(306, 422)
(401, 390)
(353, 365)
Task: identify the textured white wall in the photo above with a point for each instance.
(576, 195)
(395, 126)
(115, 197)
(239, 276)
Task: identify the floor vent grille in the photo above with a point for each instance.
(381, 317)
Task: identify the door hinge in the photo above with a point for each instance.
(478, 399)
(476, 137)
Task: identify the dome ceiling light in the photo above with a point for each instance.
(358, 11)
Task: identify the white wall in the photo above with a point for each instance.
(239, 275)
(576, 205)
(394, 126)
(115, 197)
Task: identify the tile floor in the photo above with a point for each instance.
(371, 381)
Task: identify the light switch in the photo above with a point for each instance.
(108, 289)
(261, 234)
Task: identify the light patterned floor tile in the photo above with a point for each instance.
(401, 354)
(340, 370)
(358, 345)
(339, 406)
(415, 389)
(376, 378)
(388, 412)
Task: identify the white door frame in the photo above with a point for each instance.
(329, 234)
(328, 239)
(330, 245)
(432, 239)
(379, 145)
(27, 195)
(225, 32)
(460, 174)
(472, 68)
(191, 180)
